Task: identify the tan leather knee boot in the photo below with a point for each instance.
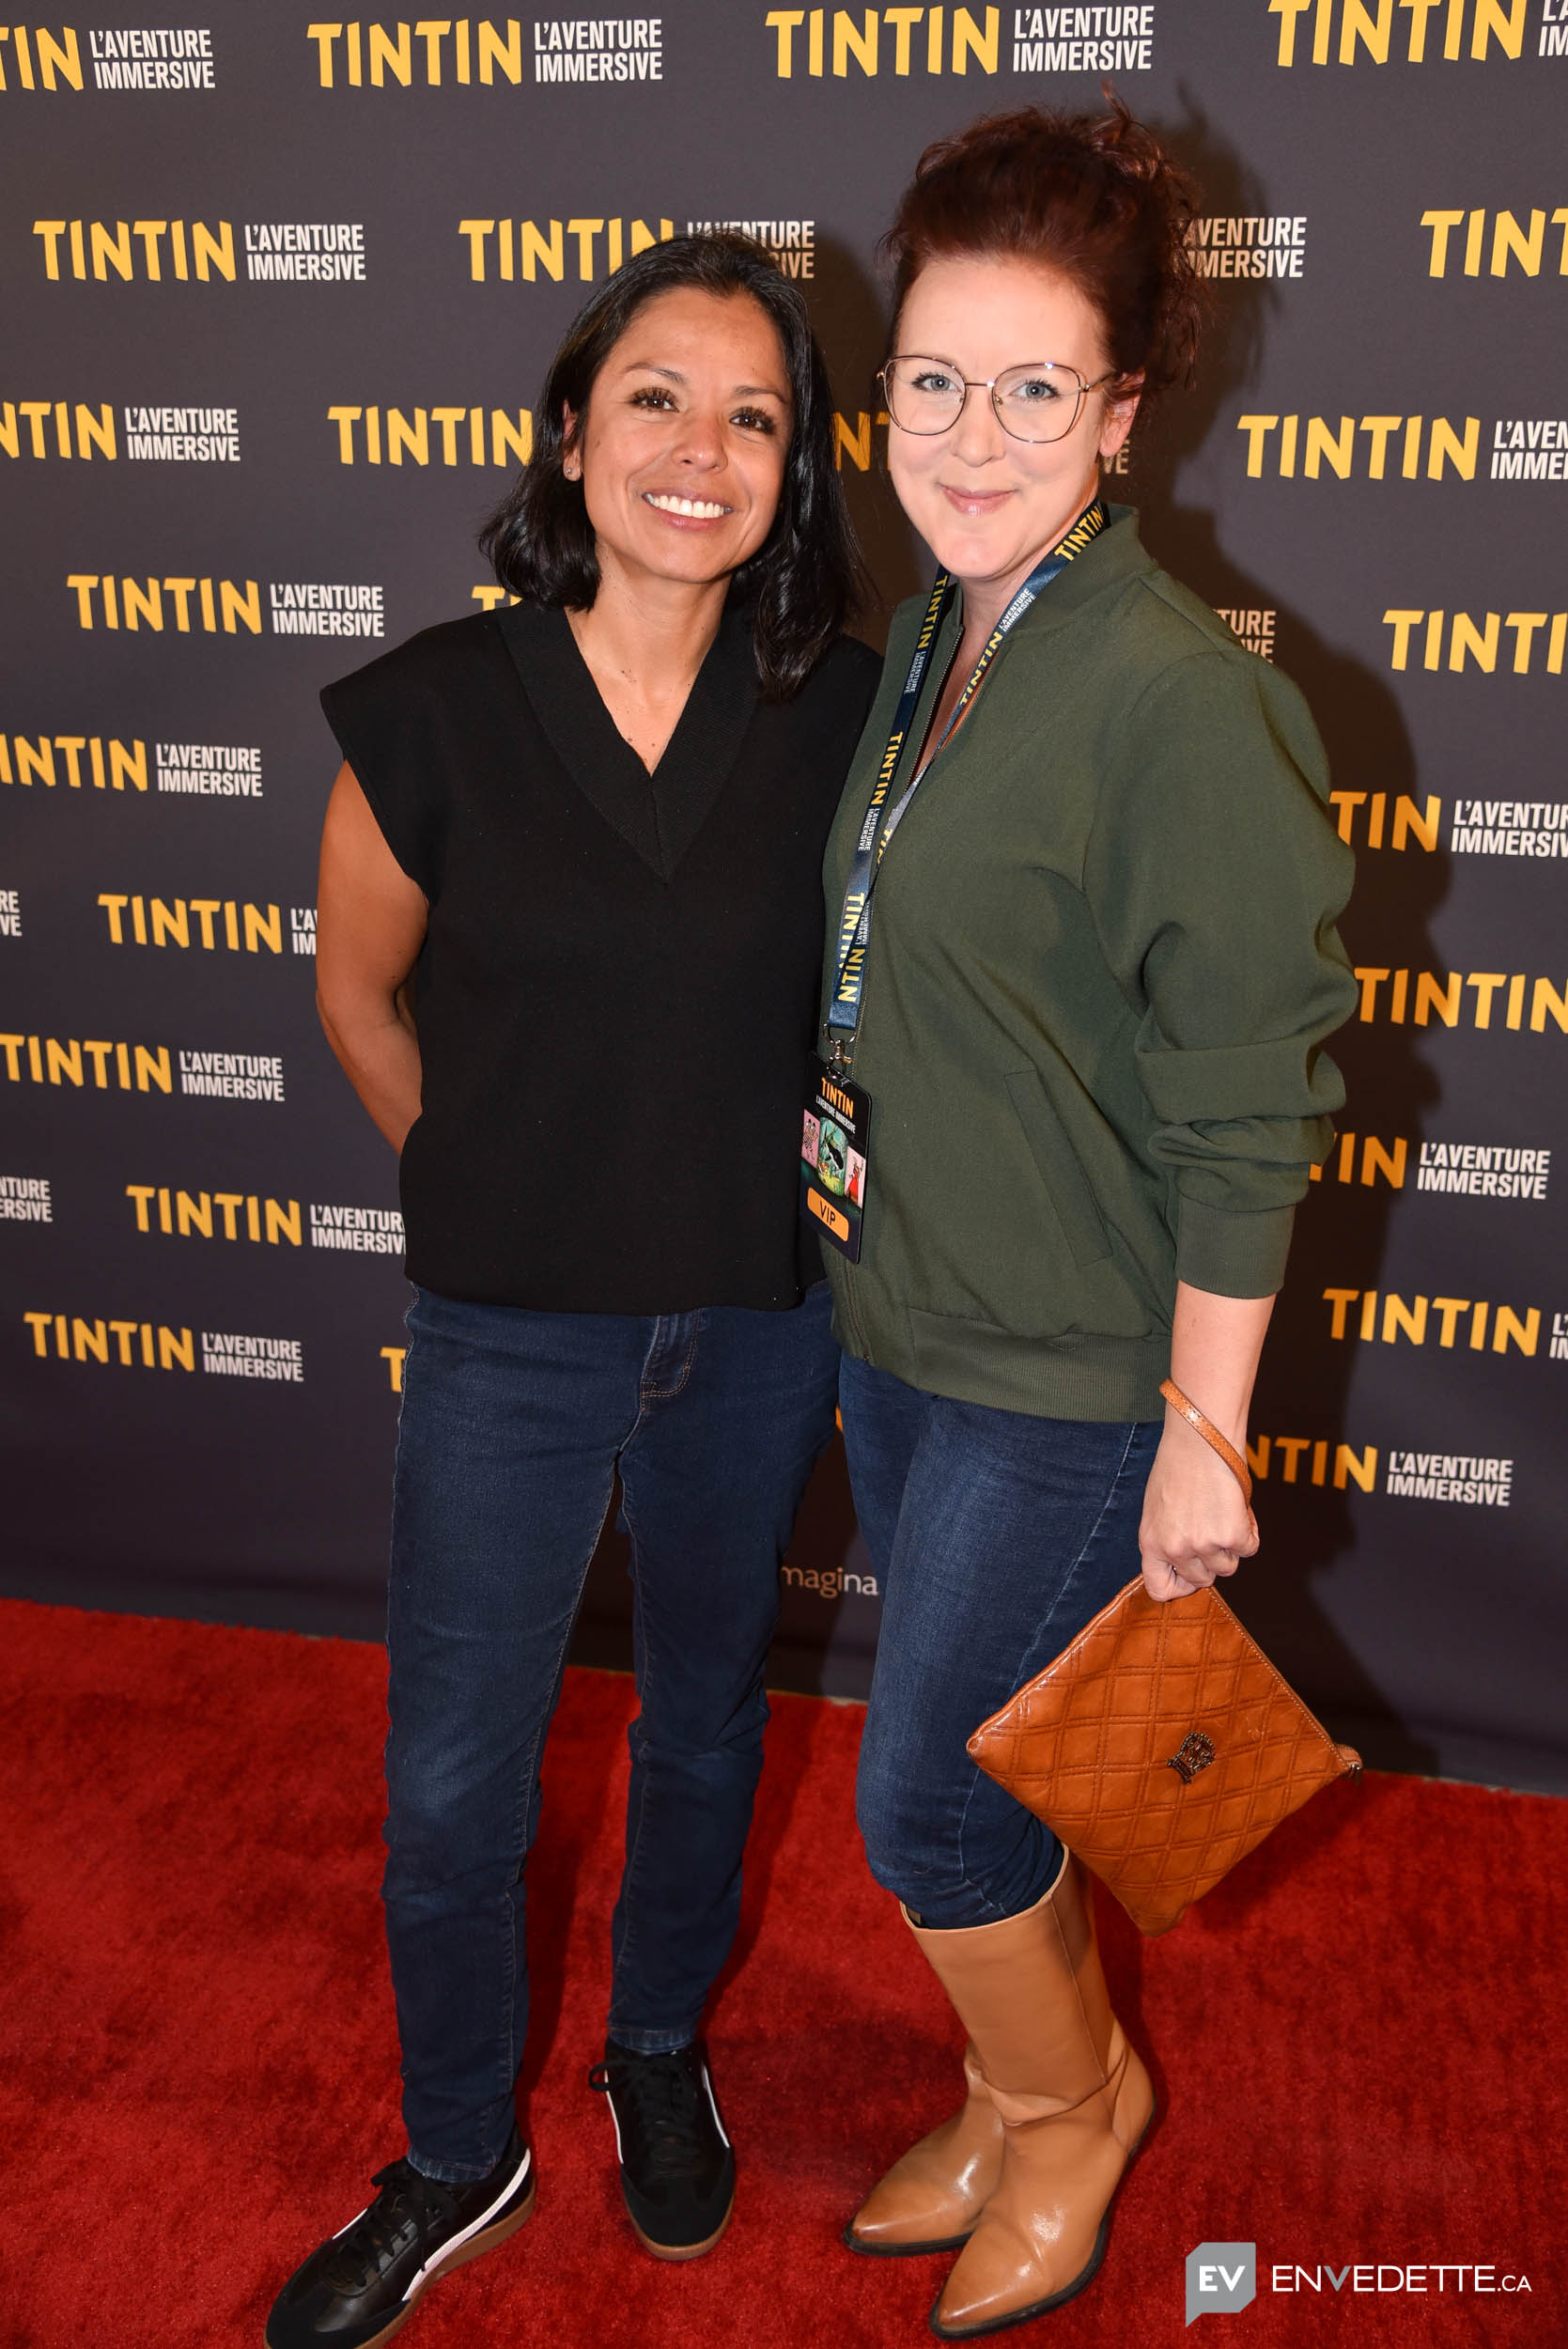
(1072, 2097)
(930, 2200)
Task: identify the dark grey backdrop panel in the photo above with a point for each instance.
(199, 1384)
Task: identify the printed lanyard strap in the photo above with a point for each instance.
(879, 827)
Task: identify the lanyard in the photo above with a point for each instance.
(877, 830)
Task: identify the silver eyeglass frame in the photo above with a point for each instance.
(988, 384)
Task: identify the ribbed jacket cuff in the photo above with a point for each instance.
(1233, 1256)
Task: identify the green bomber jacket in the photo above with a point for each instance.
(1101, 966)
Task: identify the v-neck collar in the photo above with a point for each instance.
(657, 815)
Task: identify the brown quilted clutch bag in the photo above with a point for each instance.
(1161, 1746)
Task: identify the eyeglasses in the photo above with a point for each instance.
(1040, 402)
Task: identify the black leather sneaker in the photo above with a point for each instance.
(678, 2168)
(358, 2288)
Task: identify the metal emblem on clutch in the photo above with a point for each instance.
(1197, 1752)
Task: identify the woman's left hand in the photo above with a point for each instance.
(1196, 1525)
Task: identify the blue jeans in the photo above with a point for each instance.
(996, 1537)
(513, 1427)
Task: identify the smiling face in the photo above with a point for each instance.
(988, 505)
(681, 454)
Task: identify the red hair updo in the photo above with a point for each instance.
(1092, 198)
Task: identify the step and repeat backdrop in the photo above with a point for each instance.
(277, 294)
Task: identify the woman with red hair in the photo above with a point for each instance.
(1078, 1005)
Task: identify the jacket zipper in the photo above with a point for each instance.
(854, 1315)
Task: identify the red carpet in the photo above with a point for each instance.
(1358, 2042)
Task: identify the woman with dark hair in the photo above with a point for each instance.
(1081, 997)
(569, 936)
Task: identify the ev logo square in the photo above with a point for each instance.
(1220, 2276)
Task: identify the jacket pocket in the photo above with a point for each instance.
(1066, 1184)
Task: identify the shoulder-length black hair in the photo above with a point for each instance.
(805, 580)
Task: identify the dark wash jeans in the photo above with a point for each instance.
(996, 1536)
(512, 1428)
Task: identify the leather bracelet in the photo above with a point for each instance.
(1211, 1434)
